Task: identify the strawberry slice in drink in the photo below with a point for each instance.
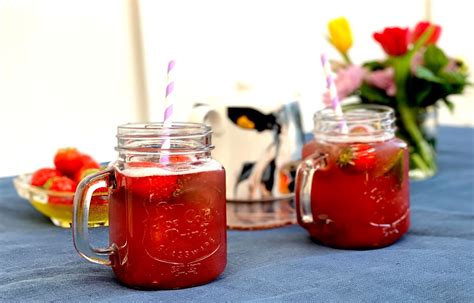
(392, 166)
(357, 157)
(154, 181)
(150, 180)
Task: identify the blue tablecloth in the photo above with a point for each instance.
(433, 262)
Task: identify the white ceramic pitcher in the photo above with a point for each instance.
(257, 146)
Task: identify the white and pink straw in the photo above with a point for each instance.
(168, 113)
(332, 90)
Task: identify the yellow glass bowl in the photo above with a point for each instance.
(58, 206)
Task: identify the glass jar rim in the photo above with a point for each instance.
(177, 130)
(360, 122)
(356, 113)
(181, 138)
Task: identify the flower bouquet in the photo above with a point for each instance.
(414, 78)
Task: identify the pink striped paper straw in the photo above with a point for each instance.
(331, 87)
(168, 113)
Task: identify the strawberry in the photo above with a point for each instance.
(39, 177)
(84, 172)
(156, 187)
(178, 158)
(68, 161)
(393, 168)
(166, 160)
(89, 171)
(89, 162)
(152, 188)
(141, 164)
(358, 156)
(61, 184)
(359, 129)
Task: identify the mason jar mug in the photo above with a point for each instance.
(167, 211)
(352, 188)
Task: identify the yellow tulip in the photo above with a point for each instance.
(340, 34)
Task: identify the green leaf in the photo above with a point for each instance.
(456, 78)
(422, 92)
(373, 94)
(374, 65)
(449, 105)
(455, 82)
(435, 59)
(422, 40)
(426, 74)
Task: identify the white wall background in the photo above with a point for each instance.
(273, 47)
(66, 79)
(70, 71)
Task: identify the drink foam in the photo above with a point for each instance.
(161, 171)
(355, 138)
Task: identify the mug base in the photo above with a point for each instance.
(355, 246)
(163, 287)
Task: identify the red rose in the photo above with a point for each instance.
(394, 40)
(420, 29)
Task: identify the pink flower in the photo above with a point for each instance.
(417, 60)
(454, 65)
(348, 81)
(383, 79)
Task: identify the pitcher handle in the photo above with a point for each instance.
(304, 183)
(80, 231)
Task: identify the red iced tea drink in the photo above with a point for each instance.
(168, 226)
(167, 208)
(355, 192)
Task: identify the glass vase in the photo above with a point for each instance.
(421, 141)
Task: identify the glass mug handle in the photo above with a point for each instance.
(80, 230)
(304, 181)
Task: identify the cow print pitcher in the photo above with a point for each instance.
(260, 150)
